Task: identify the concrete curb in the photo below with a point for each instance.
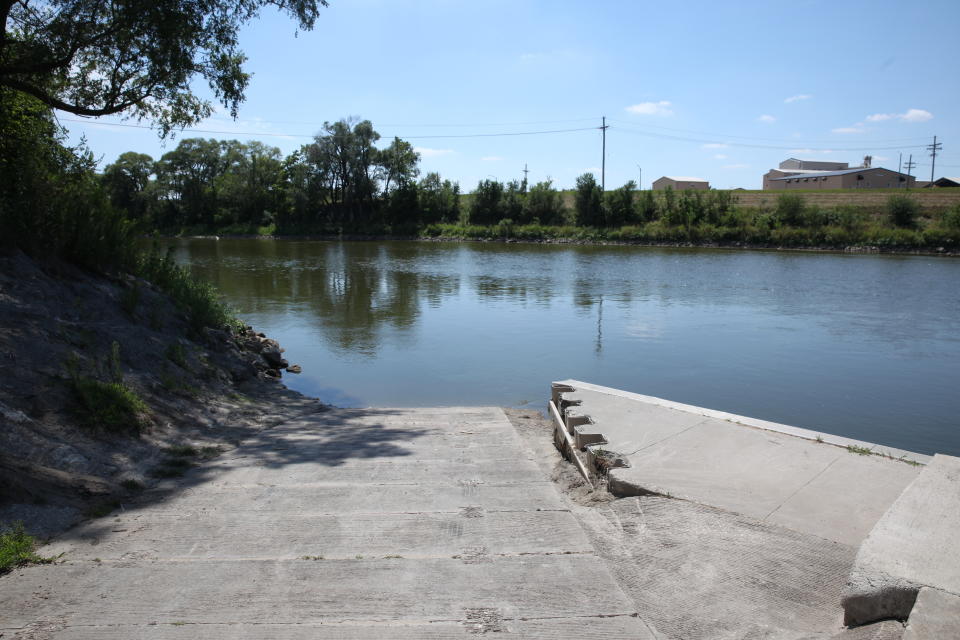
(567, 386)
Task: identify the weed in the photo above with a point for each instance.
(16, 549)
(176, 355)
(113, 361)
(131, 485)
(102, 509)
(912, 463)
(358, 557)
(392, 557)
(111, 406)
(181, 451)
(862, 451)
(178, 623)
(819, 438)
(97, 560)
(311, 557)
(130, 299)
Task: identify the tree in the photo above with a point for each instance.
(487, 207)
(138, 57)
(126, 181)
(620, 210)
(398, 163)
(439, 201)
(544, 204)
(589, 202)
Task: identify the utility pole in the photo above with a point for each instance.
(933, 148)
(640, 177)
(909, 165)
(525, 172)
(900, 168)
(603, 167)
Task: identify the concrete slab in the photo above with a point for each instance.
(774, 473)
(935, 616)
(251, 535)
(352, 524)
(913, 545)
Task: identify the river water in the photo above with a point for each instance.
(863, 346)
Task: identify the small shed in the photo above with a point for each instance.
(680, 183)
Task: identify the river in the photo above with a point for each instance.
(864, 346)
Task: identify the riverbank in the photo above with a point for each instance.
(600, 237)
(107, 387)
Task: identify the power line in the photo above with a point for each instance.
(794, 147)
(303, 135)
(724, 135)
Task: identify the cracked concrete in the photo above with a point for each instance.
(774, 473)
(393, 523)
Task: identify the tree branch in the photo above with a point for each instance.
(56, 103)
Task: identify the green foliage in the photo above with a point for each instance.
(439, 200)
(790, 209)
(951, 218)
(486, 207)
(130, 299)
(175, 354)
(17, 549)
(544, 205)
(903, 211)
(110, 406)
(620, 205)
(141, 57)
(589, 202)
(198, 299)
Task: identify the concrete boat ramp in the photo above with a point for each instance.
(453, 522)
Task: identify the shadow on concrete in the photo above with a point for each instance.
(329, 437)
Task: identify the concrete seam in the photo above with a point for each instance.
(669, 437)
(805, 484)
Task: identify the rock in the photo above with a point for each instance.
(273, 357)
(294, 368)
(272, 373)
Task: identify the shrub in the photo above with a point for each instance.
(903, 211)
(16, 548)
(790, 209)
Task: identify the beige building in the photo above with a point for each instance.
(796, 167)
(859, 178)
(680, 183)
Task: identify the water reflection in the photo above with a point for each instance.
(838, 342)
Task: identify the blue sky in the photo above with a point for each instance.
(718, 90)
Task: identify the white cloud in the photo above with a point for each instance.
(735, 166)
(798, 97)
(910, 115)
(491, 158)
(714, 145)
(426, 152)
(916, 115)
(854, 129)
(720, 156)
(661, 108)
(768, 119)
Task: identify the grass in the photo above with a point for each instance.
(102, 509)
(17, 549)
(110, 406)
(175, 354)
(860, 451)
(131, 485)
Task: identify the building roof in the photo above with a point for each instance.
(827, 174)
(683, 179)
(955, 180)
(797, 171)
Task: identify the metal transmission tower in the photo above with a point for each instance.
(909, 165)
(525, 172)
(933, 149)
(603, 167)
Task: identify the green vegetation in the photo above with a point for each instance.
(861, 451)
(111, 406)
(175, 354)
(903, 211)
(17, 549)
